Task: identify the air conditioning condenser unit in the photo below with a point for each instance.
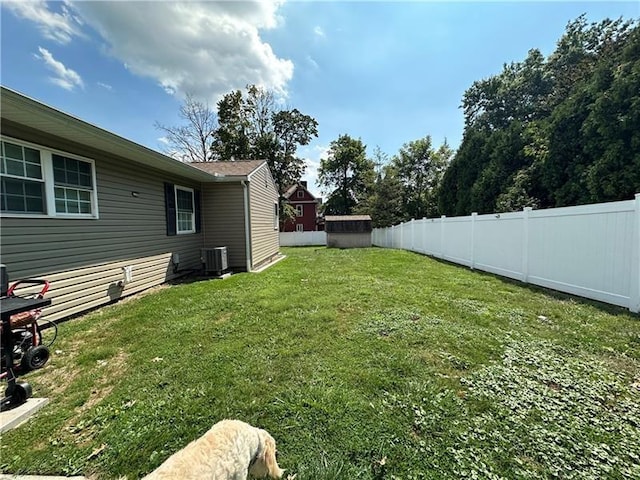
(214, 259)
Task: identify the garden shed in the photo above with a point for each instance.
(348, 231)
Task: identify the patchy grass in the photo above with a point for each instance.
(363, 364)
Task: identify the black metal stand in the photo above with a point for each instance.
(17, 392)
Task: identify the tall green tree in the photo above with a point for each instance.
(590, 155)
(612, 128)
(386, 203)
(420, 168)
(291, 129)
(253, 126)
(347, 174)
(231, 138)
(379, 159)
(556, 131)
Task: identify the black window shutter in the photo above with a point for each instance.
(196, 201)
(170, 208)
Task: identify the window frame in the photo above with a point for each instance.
(193, 209)
(300, 194)
(299, 210)
(49, 184)
(299, 227)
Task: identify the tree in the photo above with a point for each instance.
(555, 131)
(291, 129)
(347, 173)
(419, 168)
(386, 206)
(612, 128)
(191, 142)
(462, 173)
(253, 126)
(230, 139)
(365, 205)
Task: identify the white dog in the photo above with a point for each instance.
(231, 450)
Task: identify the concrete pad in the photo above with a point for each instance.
(224, 276)
(18, 415)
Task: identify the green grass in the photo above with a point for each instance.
(363, 364)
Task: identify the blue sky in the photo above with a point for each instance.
(386, 72)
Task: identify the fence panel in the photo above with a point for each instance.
(588, 250)
(456, 240)
(302, 239)
(498, 244)
(585, 250)
(429, 236)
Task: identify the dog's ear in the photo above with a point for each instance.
(269, 457)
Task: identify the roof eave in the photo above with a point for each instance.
(21, 109)
(228, 178)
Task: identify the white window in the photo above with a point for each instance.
(299, 227)
(300, 194)
(22, 180)
(299, 210)
(185, 211)
(37, 181)
(73, 185)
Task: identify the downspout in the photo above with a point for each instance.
(247, 224)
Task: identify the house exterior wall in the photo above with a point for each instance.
(83, 258)
(265, 239)
(223, 221)
(309, 206)
(307, 219)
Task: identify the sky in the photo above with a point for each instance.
(387, 72)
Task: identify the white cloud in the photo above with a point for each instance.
(206, 49)
(312, 155)
(64, 77)
(106, 86)
(60, 27)
(319, 32)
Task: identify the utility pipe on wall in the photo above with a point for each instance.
(247, 225)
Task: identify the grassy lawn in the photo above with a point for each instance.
(363, 364)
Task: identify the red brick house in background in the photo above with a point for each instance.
(306, 206)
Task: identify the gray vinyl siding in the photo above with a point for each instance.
(83, 258)
(265, 240)
(223, 221)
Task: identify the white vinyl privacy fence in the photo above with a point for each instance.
(590, 250)
(301, 239)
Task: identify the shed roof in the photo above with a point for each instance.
(345, 218)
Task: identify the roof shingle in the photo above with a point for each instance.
(238, 168)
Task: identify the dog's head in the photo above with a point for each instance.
(266, 464)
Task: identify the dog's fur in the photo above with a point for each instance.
(231, 450)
